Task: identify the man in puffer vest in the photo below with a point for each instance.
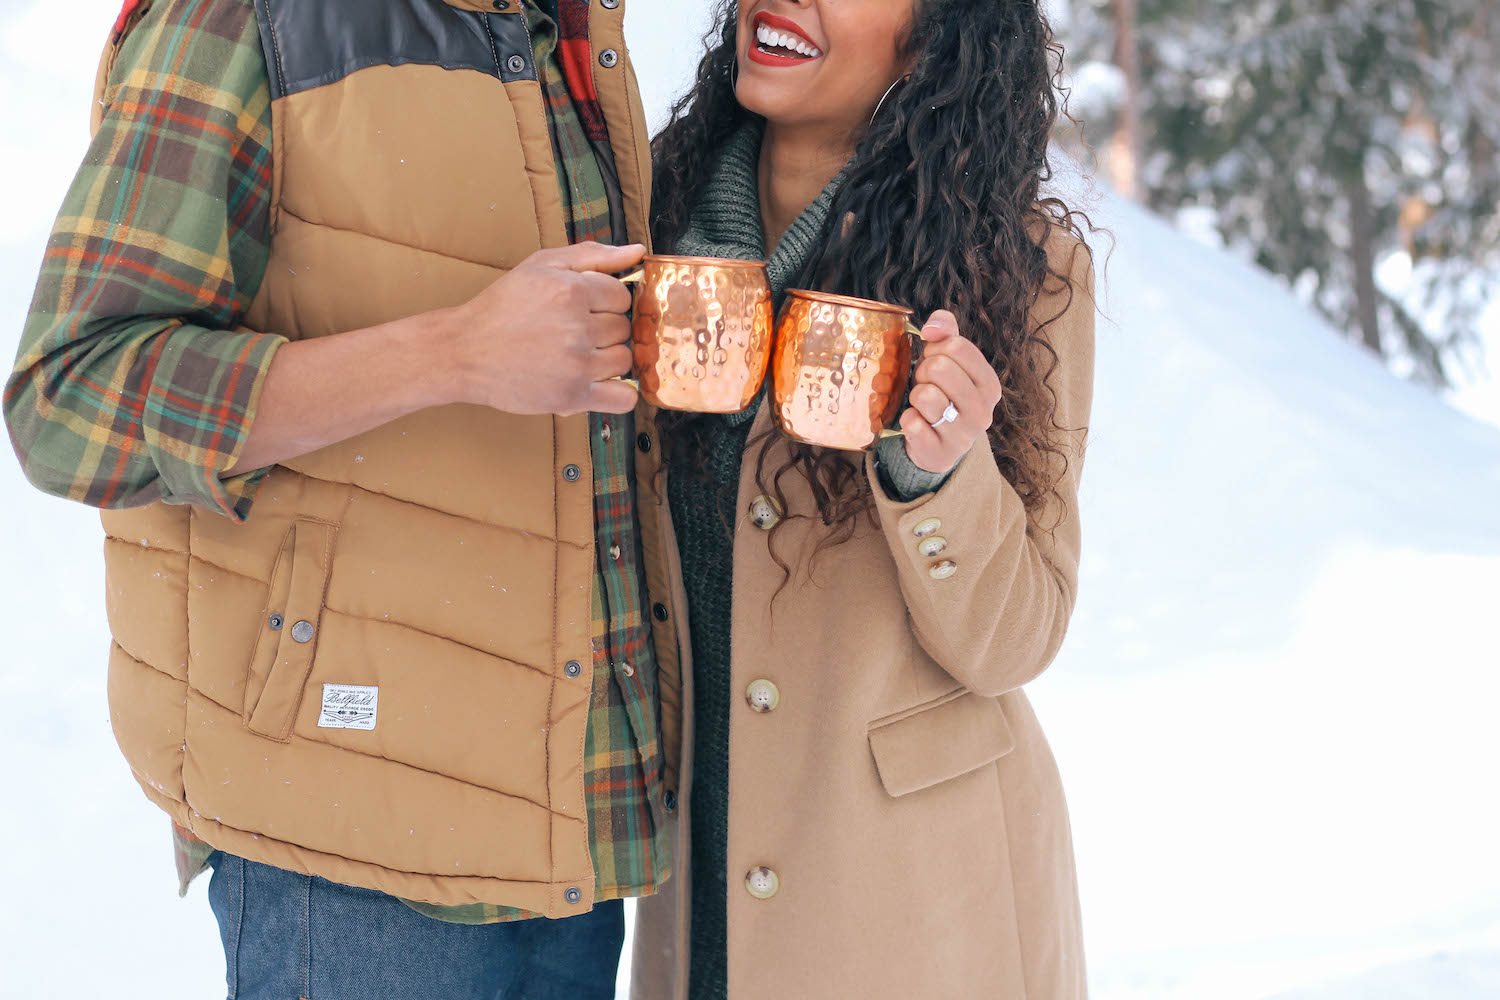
(328, 329)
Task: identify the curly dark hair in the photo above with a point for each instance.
(941, 208)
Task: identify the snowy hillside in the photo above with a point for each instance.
(1273, 714)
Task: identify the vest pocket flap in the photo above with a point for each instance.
(930, 745)
(302, 574)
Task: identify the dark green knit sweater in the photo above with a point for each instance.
(704, 498)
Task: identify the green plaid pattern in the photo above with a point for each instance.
(128, 386)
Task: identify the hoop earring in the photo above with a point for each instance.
(898, 81)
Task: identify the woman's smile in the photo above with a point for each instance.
(779, 41)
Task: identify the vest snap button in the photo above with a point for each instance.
(516, 64)
(275, 621)
(572, 895)
(609, 58)
(660, 611)
(573, 668)
(501, 4)
(643, 441)
(669, 800)
(571, 473)
(610, 4)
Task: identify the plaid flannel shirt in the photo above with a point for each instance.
(131, 383)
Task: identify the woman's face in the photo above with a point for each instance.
(821, 63)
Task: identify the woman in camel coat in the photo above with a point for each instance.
(867, 805)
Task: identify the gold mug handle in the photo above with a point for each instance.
(915, 331)
(634, 277)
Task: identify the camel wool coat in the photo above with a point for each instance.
(897, 827)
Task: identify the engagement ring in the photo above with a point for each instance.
(949, 415)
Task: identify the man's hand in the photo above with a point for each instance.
(549, 336)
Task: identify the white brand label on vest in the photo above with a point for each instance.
(348, 706)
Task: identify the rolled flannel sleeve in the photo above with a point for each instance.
(135, 380)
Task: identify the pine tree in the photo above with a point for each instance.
(1326, 134)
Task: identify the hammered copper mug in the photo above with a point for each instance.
(702, 332)
(841, 368)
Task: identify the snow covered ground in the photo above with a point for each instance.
(1273, 715)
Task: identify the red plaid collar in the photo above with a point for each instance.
(576, 56)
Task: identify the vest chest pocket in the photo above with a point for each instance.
(288, 638)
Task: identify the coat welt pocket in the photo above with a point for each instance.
(928, 745)
(283, 655)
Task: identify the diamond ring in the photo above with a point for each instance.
(949, 415)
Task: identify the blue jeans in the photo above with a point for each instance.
(289, 936)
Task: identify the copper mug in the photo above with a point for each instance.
(702, 332)
(841, 368)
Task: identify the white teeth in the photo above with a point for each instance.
(792, 43)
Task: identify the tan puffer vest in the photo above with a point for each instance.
(445, 559)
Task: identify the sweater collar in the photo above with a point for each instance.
(726, 220)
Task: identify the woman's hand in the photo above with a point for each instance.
(953, 372)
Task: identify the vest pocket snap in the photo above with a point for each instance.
(283, 656)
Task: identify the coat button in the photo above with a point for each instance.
(669, 800)
(762, 882)
(763, 696)
(571, 473)
(943, 570)
(302, 632)
(643, 441)
(765, 512)
(660, 611)
(515, 64)
(275, 621)
(927, 527)
(932, 545)
(608, 58)
(573, 668)
(572, 895)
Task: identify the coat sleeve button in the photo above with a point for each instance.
(762, 882)
(927, 526)
(932, 545)
(943, 570)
